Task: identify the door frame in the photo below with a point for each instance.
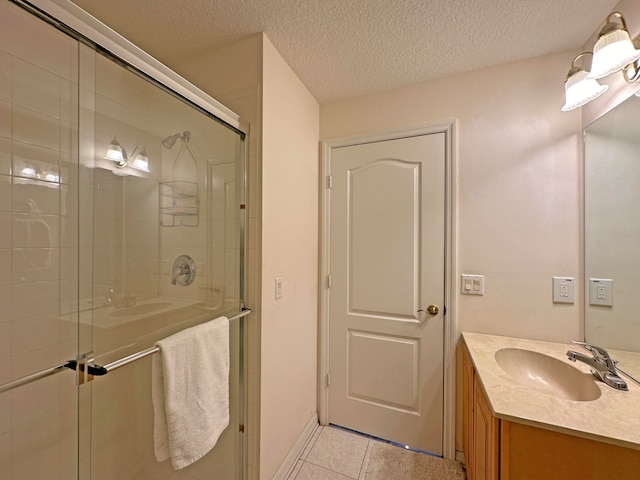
(450, 327)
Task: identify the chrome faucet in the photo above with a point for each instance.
(602, 365)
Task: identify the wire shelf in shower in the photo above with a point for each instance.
(179, 211)
(179, 204)
(179, 189)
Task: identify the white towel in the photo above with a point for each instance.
(190, 392)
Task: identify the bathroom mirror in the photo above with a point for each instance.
(612, 228)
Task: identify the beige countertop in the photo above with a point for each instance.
(614, 417)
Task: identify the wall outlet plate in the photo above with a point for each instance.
(563, 290)
(601, 292)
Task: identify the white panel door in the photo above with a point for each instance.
(387, 261)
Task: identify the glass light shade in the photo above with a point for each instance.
(579, 90)
(115, 153)
(611, 53)
(28, 172)
(141, 162)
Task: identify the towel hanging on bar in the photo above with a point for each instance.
(190, 392)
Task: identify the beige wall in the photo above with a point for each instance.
(518, 188)
(290, 251)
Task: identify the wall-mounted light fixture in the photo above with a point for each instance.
(117, 154)
(579, 89)
(613, 52)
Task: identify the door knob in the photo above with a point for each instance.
(433, 310)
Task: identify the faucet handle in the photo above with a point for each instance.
(597, 352)
(600, 354)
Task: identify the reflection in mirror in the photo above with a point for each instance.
(612, 228)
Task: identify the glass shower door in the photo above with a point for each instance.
(162, 183)
(38, 248)
(87, 245)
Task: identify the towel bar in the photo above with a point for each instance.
(71, 365)
(95, 370)
(109, 367)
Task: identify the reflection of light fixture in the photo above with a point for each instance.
(579, 89)
(117, 154)
(140, 160)
(29, 171)
(613, 52)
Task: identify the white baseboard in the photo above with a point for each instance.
(290, 462)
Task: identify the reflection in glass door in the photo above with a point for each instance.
(93, 214)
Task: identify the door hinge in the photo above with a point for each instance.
(329, 281)
(329, 181)
(328, 379)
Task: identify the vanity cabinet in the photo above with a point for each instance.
(480, 430)
(507, 450)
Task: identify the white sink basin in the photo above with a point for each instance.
(547, 374)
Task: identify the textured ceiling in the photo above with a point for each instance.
(344, 48)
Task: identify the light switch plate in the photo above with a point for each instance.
(601, 292)
(472, 284)
(563, 290)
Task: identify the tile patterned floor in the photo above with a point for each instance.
(336, 454)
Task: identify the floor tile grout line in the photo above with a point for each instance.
(365, 462)
(329, 470)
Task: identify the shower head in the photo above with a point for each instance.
(170, 141)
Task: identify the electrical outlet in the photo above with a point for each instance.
(563, 290)
(278, 286)
(601, 292)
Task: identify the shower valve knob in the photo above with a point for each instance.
(183, 271)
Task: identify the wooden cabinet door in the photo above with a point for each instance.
(467, 412)
(485, 448)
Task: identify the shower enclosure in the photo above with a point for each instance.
(94, 211)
